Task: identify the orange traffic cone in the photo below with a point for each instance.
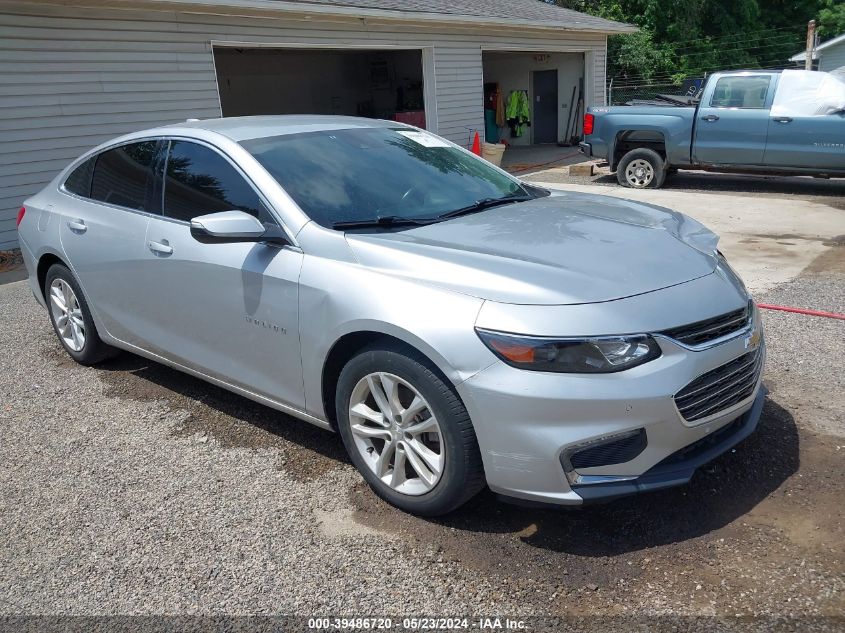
(476, 145)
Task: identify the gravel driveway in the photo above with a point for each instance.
(134, 489)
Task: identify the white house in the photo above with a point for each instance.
(830, 56)
(77, 72)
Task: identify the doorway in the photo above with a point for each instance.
(552, 82)
(545, 106)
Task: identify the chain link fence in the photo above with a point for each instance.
(624, 92)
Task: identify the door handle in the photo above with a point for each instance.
(710, 117)
(783, 119)
(161, 248)
(77, 226)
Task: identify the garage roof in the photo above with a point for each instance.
(502, 13)
(528, 10)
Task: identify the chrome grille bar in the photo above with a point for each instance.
(720, 388)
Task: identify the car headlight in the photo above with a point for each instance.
(586, 355)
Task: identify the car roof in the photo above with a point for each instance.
(758, 71)
(251, 127)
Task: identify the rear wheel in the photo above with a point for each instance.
(407, 432)
(71, 318)
(641, 168)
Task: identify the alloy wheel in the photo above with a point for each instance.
(67, 314)
(639, 173)
(396, 433)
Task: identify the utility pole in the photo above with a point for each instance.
(811, 44)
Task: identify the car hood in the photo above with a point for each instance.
(567, 248)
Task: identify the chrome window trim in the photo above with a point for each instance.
(160, 216)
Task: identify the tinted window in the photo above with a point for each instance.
(123, 176)
(740, 92)
(79, 181)
(201, 181)
(356, 174)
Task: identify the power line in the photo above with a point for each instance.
(729, 36)
(695, 74)
(747, 35)
(731, 50)
(751, 51)
(620, 80)
(779, 41)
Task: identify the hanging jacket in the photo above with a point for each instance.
(518, 112)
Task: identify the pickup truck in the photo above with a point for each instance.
(783, 122)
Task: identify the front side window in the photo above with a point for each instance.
(741, 92)
(338, 176)
(200, 181)
(123, 176)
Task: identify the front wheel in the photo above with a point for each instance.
(407, 432)
(641, 168)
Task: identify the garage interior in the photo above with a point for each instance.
(553, 85)
(382, 84)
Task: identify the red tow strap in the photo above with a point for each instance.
(818, 313)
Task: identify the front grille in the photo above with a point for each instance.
(613, 451)
(720, 388)
(711, 329)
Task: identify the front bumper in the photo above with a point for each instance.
(678, 469)
(527, 423)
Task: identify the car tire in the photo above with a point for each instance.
(376, 444)
(641, 168)
(71, 318)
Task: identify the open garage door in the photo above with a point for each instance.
(553, 99)
(383, 84)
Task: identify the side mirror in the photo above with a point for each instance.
(233, 226)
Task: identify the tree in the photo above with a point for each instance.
(832, 18)
(686, 38)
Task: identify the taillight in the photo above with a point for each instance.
(21, 213)
(589, 120)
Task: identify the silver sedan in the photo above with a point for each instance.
(456, 326)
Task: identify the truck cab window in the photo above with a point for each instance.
(741, 92)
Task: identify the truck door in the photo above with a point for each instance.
(807, 124)
(733, 120)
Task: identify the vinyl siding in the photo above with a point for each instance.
(74, 76)
(833, 59)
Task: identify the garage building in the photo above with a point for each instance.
(77, 72)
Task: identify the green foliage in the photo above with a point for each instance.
(688, 38)
(832, 18)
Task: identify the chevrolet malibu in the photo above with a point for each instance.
(456, 326)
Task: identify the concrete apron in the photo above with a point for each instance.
(768, 240)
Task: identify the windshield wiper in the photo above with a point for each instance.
(481, 205)
(386, 221)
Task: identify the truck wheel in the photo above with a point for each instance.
(641, 168)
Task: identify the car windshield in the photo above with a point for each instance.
(351, 175)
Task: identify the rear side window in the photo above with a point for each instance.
(123, 176)
(79, 181)
(200, 181)
(741, 92)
